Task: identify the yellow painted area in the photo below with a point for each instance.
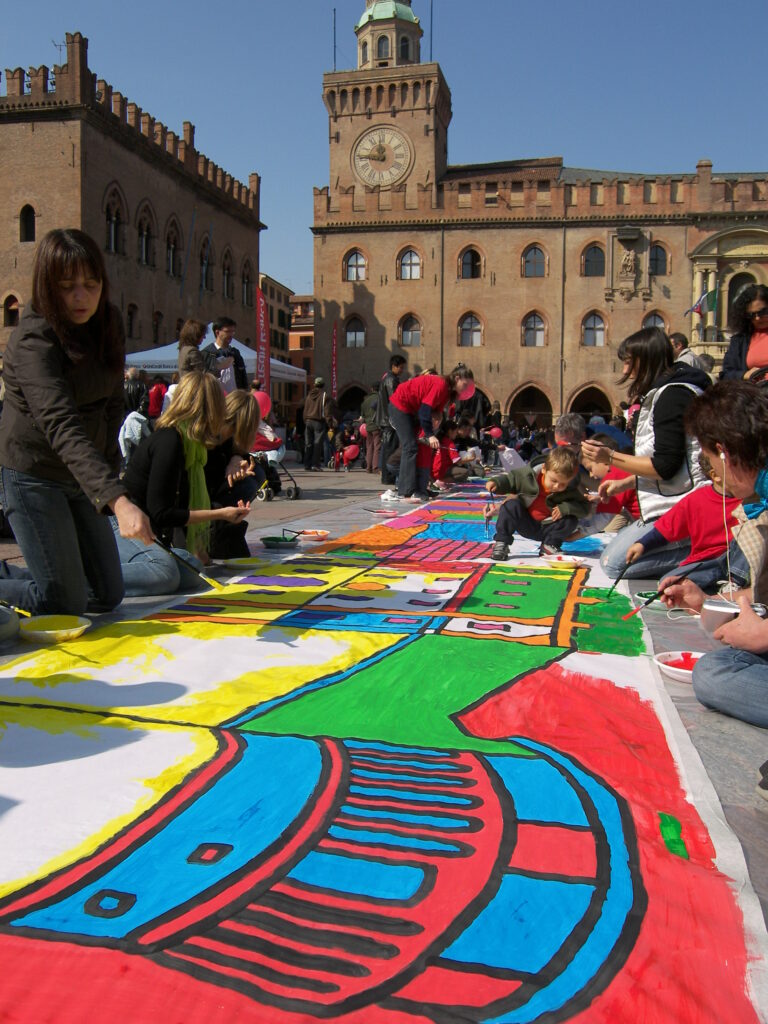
(216, 670)
(83, 725)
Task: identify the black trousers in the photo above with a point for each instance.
(389, 444)
(514, 518)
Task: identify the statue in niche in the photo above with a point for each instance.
(628, 264)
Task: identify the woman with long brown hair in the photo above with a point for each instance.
(63, 372)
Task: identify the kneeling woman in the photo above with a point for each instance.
(166, 478)
(411, 408)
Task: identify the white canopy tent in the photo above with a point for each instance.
(165, 359)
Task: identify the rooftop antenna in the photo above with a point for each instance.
(59, 47)
(334, 38)
(431, 9)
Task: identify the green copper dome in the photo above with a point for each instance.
(384, 10)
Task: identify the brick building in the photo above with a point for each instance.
(180, 235)
(529, 271)
(301, 338)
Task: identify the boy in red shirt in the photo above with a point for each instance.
(614, 512)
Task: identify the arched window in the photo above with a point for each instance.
(146, 248)
(157, 323)
(654, 320)
(227, 277)
(657, 261)
(382, 48)
(172, 252)
(533, 331)
(471, 264)
(593, 331)
(410, 332)
(534, 262)
(355, 333)
(470, 332)
(593, 262)
(410, 265)
(27, 224)
(247, 289)
(364, 53)
(131, 321)
(354, 266)
(11, 311)
(405, 48)
(206, 266)
(115, 217)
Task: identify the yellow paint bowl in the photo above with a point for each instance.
(52, 629)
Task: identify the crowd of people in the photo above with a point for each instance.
(116, 486)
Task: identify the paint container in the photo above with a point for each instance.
(678, 665)
(9, 625)
(52, 629)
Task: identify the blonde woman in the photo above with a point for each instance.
(166, 478)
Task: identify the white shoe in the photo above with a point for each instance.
(390, 496)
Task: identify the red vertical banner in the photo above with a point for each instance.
(262, 340)
(334, 358)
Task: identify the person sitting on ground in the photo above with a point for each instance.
(731, 423)
(698, 516)
(166, 479)
(190, 339)
(446, 464)
(543, 503)
(611, 514)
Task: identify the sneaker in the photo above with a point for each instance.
(549, 549)
(390, 496)
(500, 551)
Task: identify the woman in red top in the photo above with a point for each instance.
(411, 408)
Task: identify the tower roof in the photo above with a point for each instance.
(384, 10)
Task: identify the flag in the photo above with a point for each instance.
(334, 357)
(262, 340)
(704, 304)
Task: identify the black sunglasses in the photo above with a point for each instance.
(757, 314)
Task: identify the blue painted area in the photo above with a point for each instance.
(524, 926)
(410, 797)
(452, 530)
(319, 684)
(250, 807)
(539, 790)
(392, 748)
(614, 911)
(361, 622)
(416, 819)
(359, 877)
(349, 835)
(360, 773)
(432, 766)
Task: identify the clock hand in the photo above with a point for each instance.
(377, 154)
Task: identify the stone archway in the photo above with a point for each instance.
(591, 401)
(531, 406)
(736, 283)
(352, 399)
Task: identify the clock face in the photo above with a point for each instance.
(382, 156)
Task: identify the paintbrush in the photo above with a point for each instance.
(618, 579)
(677, 579)
(182, 561)
(15, 608)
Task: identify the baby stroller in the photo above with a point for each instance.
(264, 444)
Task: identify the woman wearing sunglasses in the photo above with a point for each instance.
(748, 351)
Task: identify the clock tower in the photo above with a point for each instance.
(388, 118)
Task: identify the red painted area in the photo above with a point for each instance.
(554, 850)
(689, 956)
(443, 987)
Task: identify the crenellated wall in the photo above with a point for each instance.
(74, 85)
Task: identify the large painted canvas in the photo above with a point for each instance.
(385, 781)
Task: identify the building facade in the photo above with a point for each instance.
(529, 271)
(286, 395)
(180, 235)
(301, 337)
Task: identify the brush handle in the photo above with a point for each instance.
(214, 584)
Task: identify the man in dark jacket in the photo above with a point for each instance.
(387, 388)
(318, 414)
(135, 392)
(222, 355)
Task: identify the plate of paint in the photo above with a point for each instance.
(52, 629)
(563, 561)
(678, 665)
(315, 535)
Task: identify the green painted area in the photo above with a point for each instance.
(671, 833)
(609, 633)
(356, 553)
(543, 593)
(409, 696)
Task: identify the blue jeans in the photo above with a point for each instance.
(734, 682)
(69, 548)
(149, 570)
(653, 565)
(406, 427)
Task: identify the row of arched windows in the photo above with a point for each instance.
(533, 263)
(469, 330)
(146, 251)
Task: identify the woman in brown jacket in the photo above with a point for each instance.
(190, 339)
(63, 372)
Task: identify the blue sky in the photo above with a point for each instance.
(611, 84)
